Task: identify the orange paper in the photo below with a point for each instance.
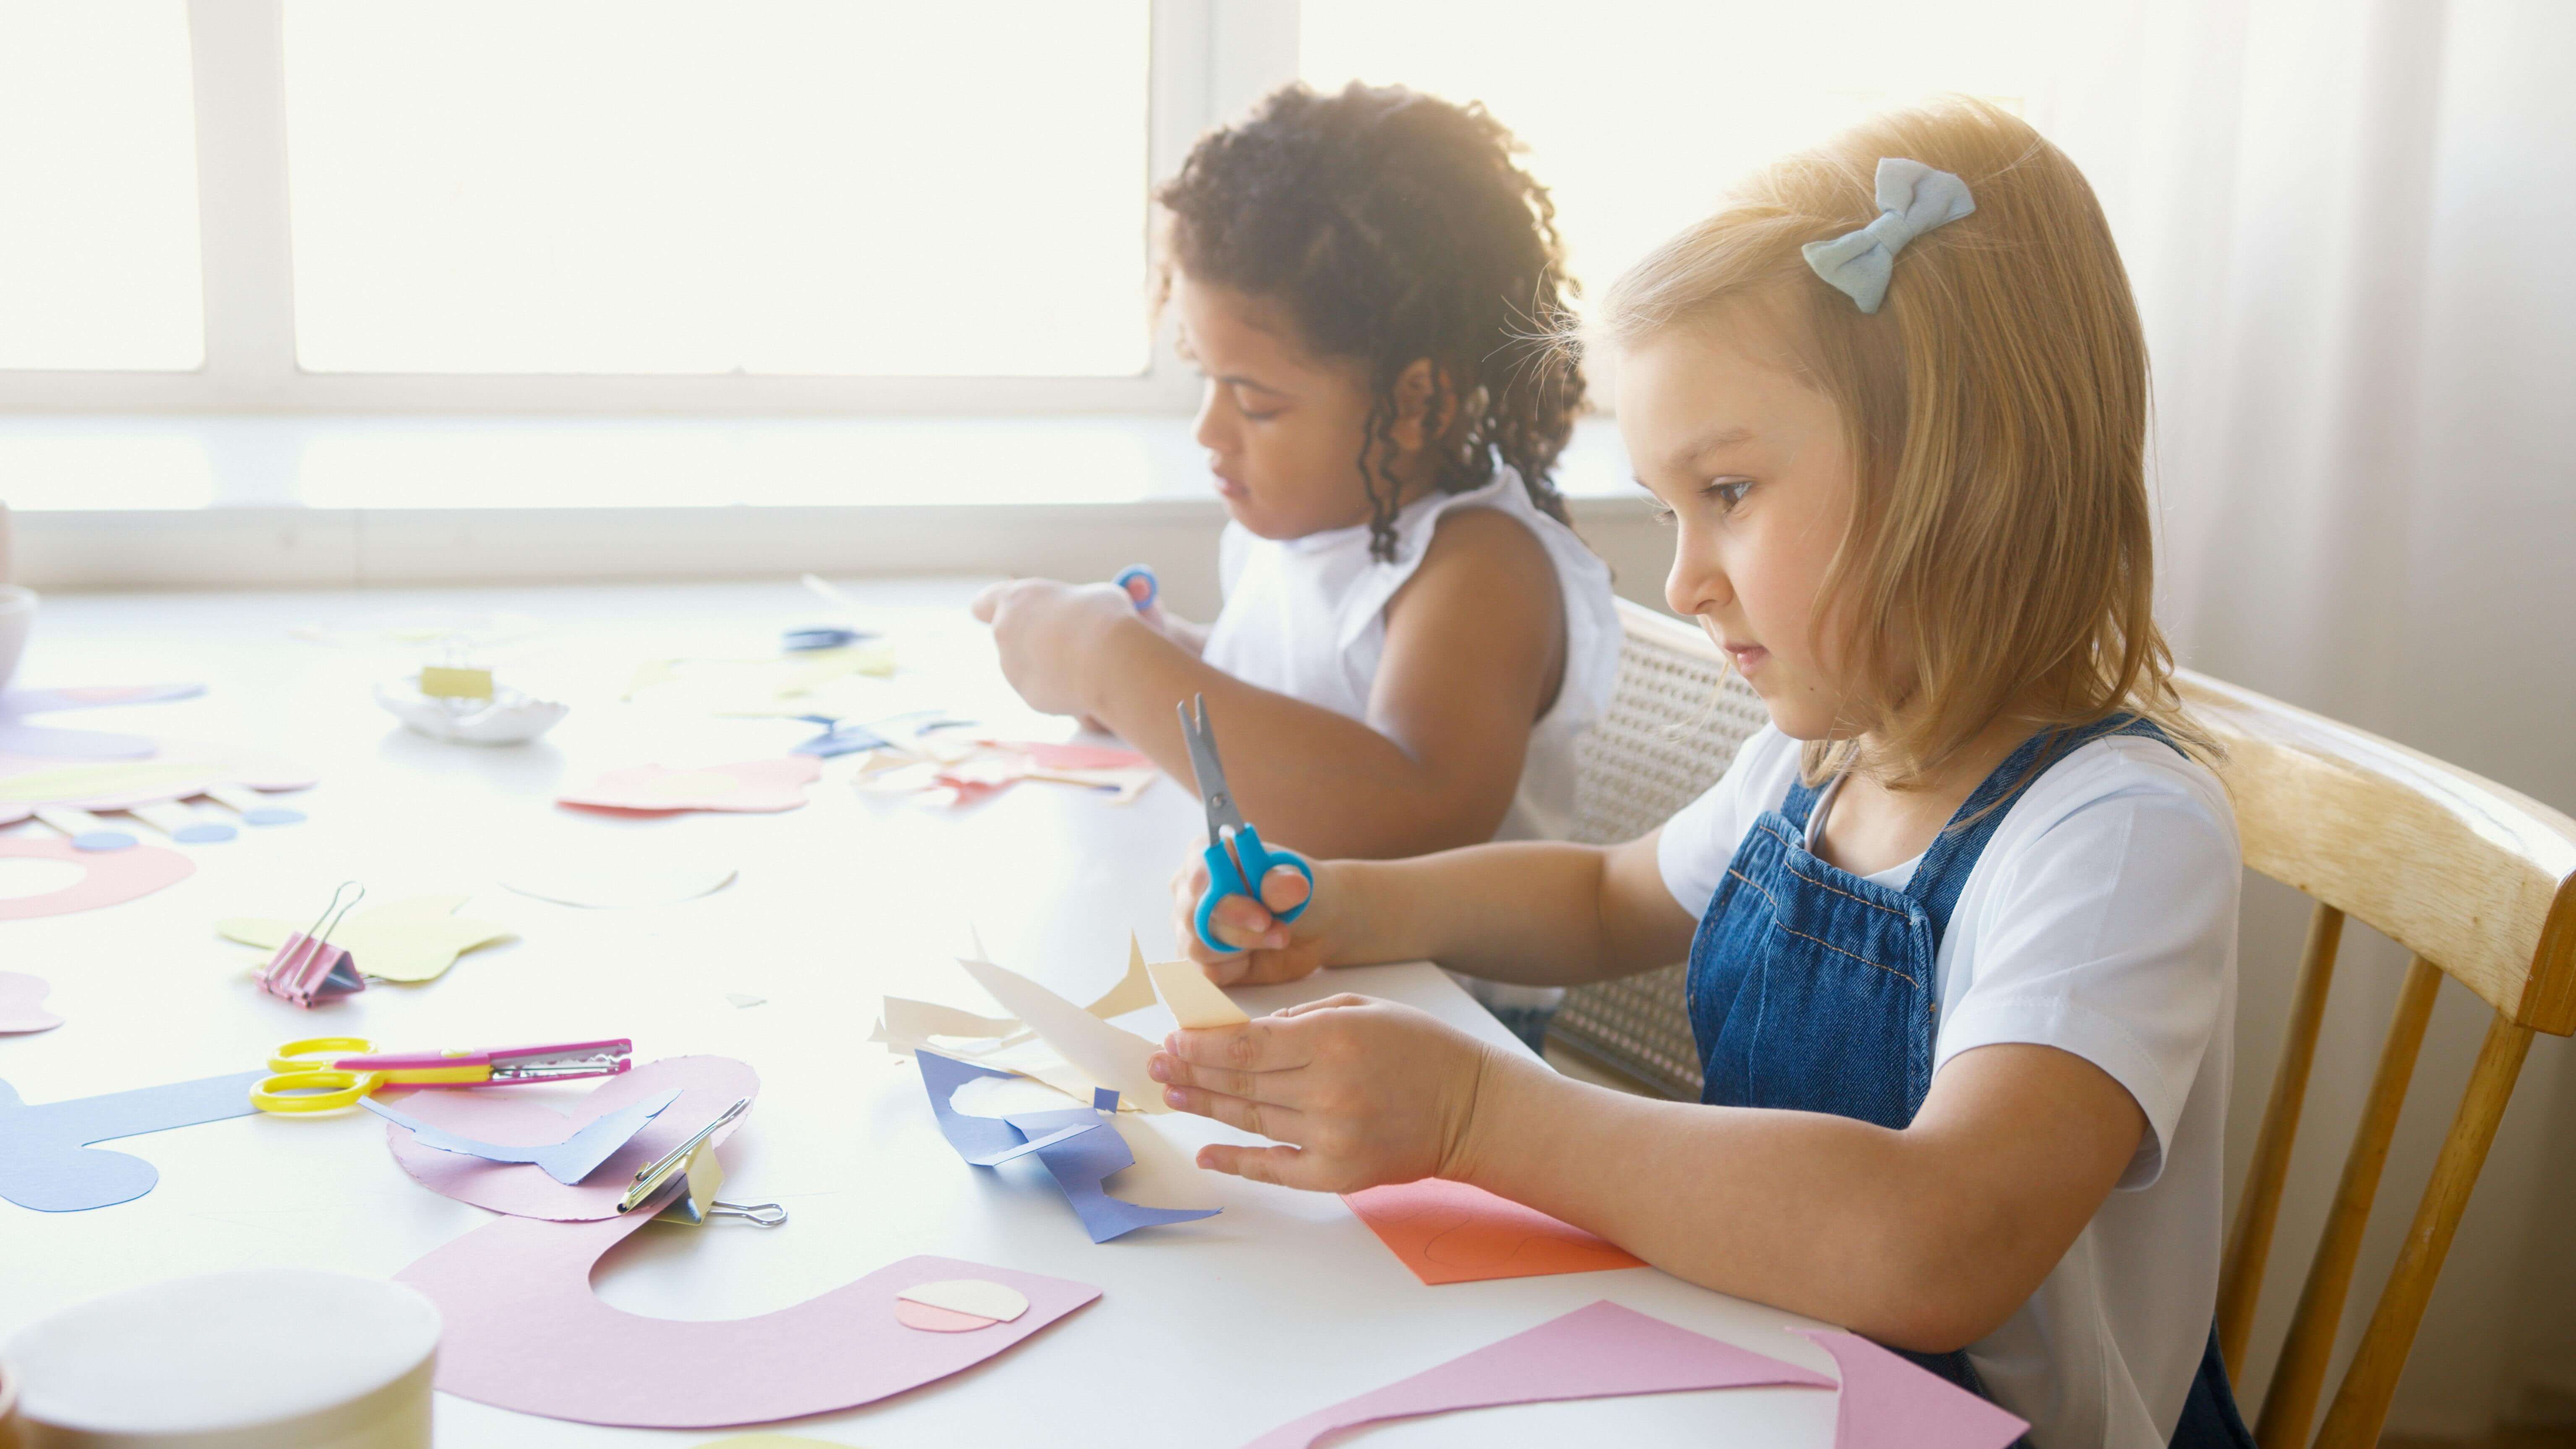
(1451, 1232)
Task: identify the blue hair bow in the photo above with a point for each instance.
(1912, 199)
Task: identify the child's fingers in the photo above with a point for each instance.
(1333, 1002)
(1263, 1044)
(1262, 1119)
(989, 602)
(1274, 1087)
(1240, 922)
(1259, 1164)
(1285, 888)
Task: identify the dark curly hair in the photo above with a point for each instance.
(1395, 226)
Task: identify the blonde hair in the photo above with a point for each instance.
(2000, 555)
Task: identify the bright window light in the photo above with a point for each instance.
(685, 186)
(98, 187)
(1640, 114)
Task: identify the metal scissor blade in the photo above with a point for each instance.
(1222, 814)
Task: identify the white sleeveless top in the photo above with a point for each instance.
(1306, 617)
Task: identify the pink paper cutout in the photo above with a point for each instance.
(19, 993)
(930, 1318)
(524, 1332)
(77, 744)
(1888, 1403)
(264, 773)
(500, 1114)
(110, 877)
(1072, 757)
(1453, 1232)
(1601, 1352)
(758, 785)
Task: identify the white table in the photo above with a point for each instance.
(1206, 1333)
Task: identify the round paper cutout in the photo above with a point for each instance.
(958, 1305)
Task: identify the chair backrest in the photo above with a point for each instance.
(2480, 884)
(1672, 726)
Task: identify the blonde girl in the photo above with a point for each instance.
(1961, 922)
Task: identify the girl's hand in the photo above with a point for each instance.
(1048, 634)
(1269, 949)
(1363, 1091)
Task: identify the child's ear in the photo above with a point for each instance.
(1422, 407)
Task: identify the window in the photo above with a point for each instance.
(98, 187)
(1638, 115)
(786, 186)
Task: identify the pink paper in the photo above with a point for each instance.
(1072, 757)
(524, 1331)
(19, 995)
(110, 877)
(505, 1115)
(1455, 1232)
(755, 785)
(1601, 1352)
(1888, 1403)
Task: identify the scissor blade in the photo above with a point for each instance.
(1209, 772)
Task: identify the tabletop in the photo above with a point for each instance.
(1208, 1332)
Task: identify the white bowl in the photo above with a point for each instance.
(17, 616)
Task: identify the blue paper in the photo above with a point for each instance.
(567, 1162)
(1078, 1145)
(102, 840)
(1081, 1162)
(46, 1162)
(841, 740)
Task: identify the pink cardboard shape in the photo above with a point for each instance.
(1073, 757)
(755, 785)
(524, 1332)
(1888, 1403)
(1601, 1352)
(501, 1114)
(19, 995)
(110, 877)
(1456, 1232)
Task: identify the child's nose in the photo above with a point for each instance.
(1215, 429)
(1697, 584)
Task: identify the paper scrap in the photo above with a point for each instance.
(439, 681)
(108, 877)
(1600, 1352)
(19, 1011)
(46, 742)
(1196, 1002)
(46, 1162)
(568, 1161)
(1888, 1403)
(524, 1332)
(619, 880)
(181, 770)
(1073, 757)
(758, 786)
(86, 831)
(1454, 1232)
(979, 1298)
(182, 824)
(743, 1000)
(1110, 1056)
(1080, 1148)
(773, 1441)
(253, 809)
(409, 940)
(708, 1085)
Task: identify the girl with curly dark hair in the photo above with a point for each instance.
(1412, 636)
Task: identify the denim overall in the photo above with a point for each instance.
(1811, 989)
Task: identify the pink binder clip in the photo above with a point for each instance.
(308, 968)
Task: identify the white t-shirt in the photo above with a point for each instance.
(2100, 920)
(1306, 617)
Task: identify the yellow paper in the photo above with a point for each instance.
(82, 782)
(1134, 991)
(1195, 1001)
(1109, 1056)
(413, 940)
(439, 681)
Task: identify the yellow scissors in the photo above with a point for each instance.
(325, 1073)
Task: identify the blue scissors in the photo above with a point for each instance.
(1237, 861)
(1132, 575)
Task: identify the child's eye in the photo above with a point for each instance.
(1663, 516)
(1728, 491)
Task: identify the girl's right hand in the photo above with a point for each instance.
(1270, 949)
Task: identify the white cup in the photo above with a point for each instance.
(17, 616)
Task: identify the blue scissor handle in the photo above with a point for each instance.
(1258, 861)
(1153, 585)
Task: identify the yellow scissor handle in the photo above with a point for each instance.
(298, 1056)
(314, 1089)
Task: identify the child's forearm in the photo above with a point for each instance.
(1309, 778)
(1538, 913)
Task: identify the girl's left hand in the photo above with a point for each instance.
(1047, 633)
(1363, 1091)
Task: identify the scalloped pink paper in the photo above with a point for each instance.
(109, 877)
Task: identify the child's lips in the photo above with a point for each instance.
(1747, 657)
(1227, 487)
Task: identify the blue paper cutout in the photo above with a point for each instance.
(203, 832)
(841, 739)
(272, 815)
(1104, 1099)
(567, 1162)
(46, 1162)
(102, 840)
(1078, 1145)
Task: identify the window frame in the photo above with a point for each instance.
(1210, 59)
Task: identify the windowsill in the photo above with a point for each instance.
(340, 501)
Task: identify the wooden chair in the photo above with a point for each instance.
(2479, 882)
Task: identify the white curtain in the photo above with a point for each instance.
(2352, 228)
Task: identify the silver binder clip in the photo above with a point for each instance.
(692, 1166)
